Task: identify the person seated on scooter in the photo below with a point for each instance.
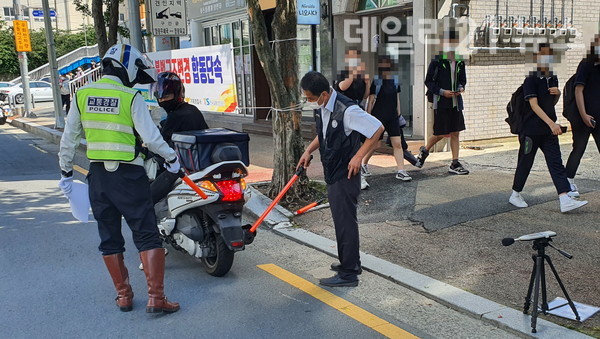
(181, 116)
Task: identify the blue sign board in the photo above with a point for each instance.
(38, 13)
(309, 12)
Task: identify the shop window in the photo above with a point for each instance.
(374, 4)
(225, 33)
(207, 37)
(215, 35)
(237, 33)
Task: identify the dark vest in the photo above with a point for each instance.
(337, 149)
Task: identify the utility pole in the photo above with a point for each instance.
(68, 16)
(56, 16)
(151, 41)
(135, 25)
(23, 66)
(58, 114)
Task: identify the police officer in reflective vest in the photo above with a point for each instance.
(116, 120)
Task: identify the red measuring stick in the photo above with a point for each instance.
(306, 208)
(193, 185)
(277, 199)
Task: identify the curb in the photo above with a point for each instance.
(279, 221)
(478, 307)
(42, 131)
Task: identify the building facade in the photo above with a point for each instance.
(63, 13)
(494, 71)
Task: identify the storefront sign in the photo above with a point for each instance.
(22, 39)
(309, 12)
(169, 17)
(209, 7)
(207, 73)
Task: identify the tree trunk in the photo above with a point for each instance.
(113, 23)
(281, 69)
(99, 26)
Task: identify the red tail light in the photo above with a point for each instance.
(237, 244)
(231, 189)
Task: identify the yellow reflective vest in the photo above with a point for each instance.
(105, 108)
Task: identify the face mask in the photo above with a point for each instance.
(384, 69)
(314, 104)
(546, 60)
(354, 62)
(169, 105)
(448, 48)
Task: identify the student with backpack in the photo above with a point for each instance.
(446, 80)
(540, 131)
(584, 110)
(384, 104)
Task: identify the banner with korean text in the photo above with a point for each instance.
(207, 73)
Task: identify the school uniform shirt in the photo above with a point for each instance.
(357, 89)
(536, 86)
(588, 75)
(386, 101)
(355, 119)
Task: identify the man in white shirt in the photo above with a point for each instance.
(340, 122)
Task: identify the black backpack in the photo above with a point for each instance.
(570, 110)
(428, 93)
(517, 108)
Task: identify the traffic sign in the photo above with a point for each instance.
(38, 13)
(169, 18)
(22, 39)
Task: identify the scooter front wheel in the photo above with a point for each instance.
(221, 263)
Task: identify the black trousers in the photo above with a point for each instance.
(122, 193)
(66, 100)
(343, 199)
(551, 149)
(162, 185)
(581, 136)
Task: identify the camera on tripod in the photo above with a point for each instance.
(541, 240)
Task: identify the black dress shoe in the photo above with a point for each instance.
(338, 267)
(337, 281)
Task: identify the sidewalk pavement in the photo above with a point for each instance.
(449, 228)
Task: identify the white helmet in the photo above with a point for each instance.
(131, 66)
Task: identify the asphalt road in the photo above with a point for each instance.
(53, 282)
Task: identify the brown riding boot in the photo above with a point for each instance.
(120, 276)
(154, 268)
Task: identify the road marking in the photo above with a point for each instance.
(80, 170)
(38, 148)
(366, 318)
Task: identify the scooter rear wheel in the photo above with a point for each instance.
(220, 264)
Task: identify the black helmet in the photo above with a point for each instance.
(168, 83)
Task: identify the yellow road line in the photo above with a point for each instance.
(80, 170)
(38, 148)
(366, 318)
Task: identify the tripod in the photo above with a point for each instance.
(538, 276)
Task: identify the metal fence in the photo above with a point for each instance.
(89, 76)
(63, 61)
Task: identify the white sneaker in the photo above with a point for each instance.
(574, 191)
(363, 183)
(364, 170)
(403, 175)
(517, 200)
(570, 204)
